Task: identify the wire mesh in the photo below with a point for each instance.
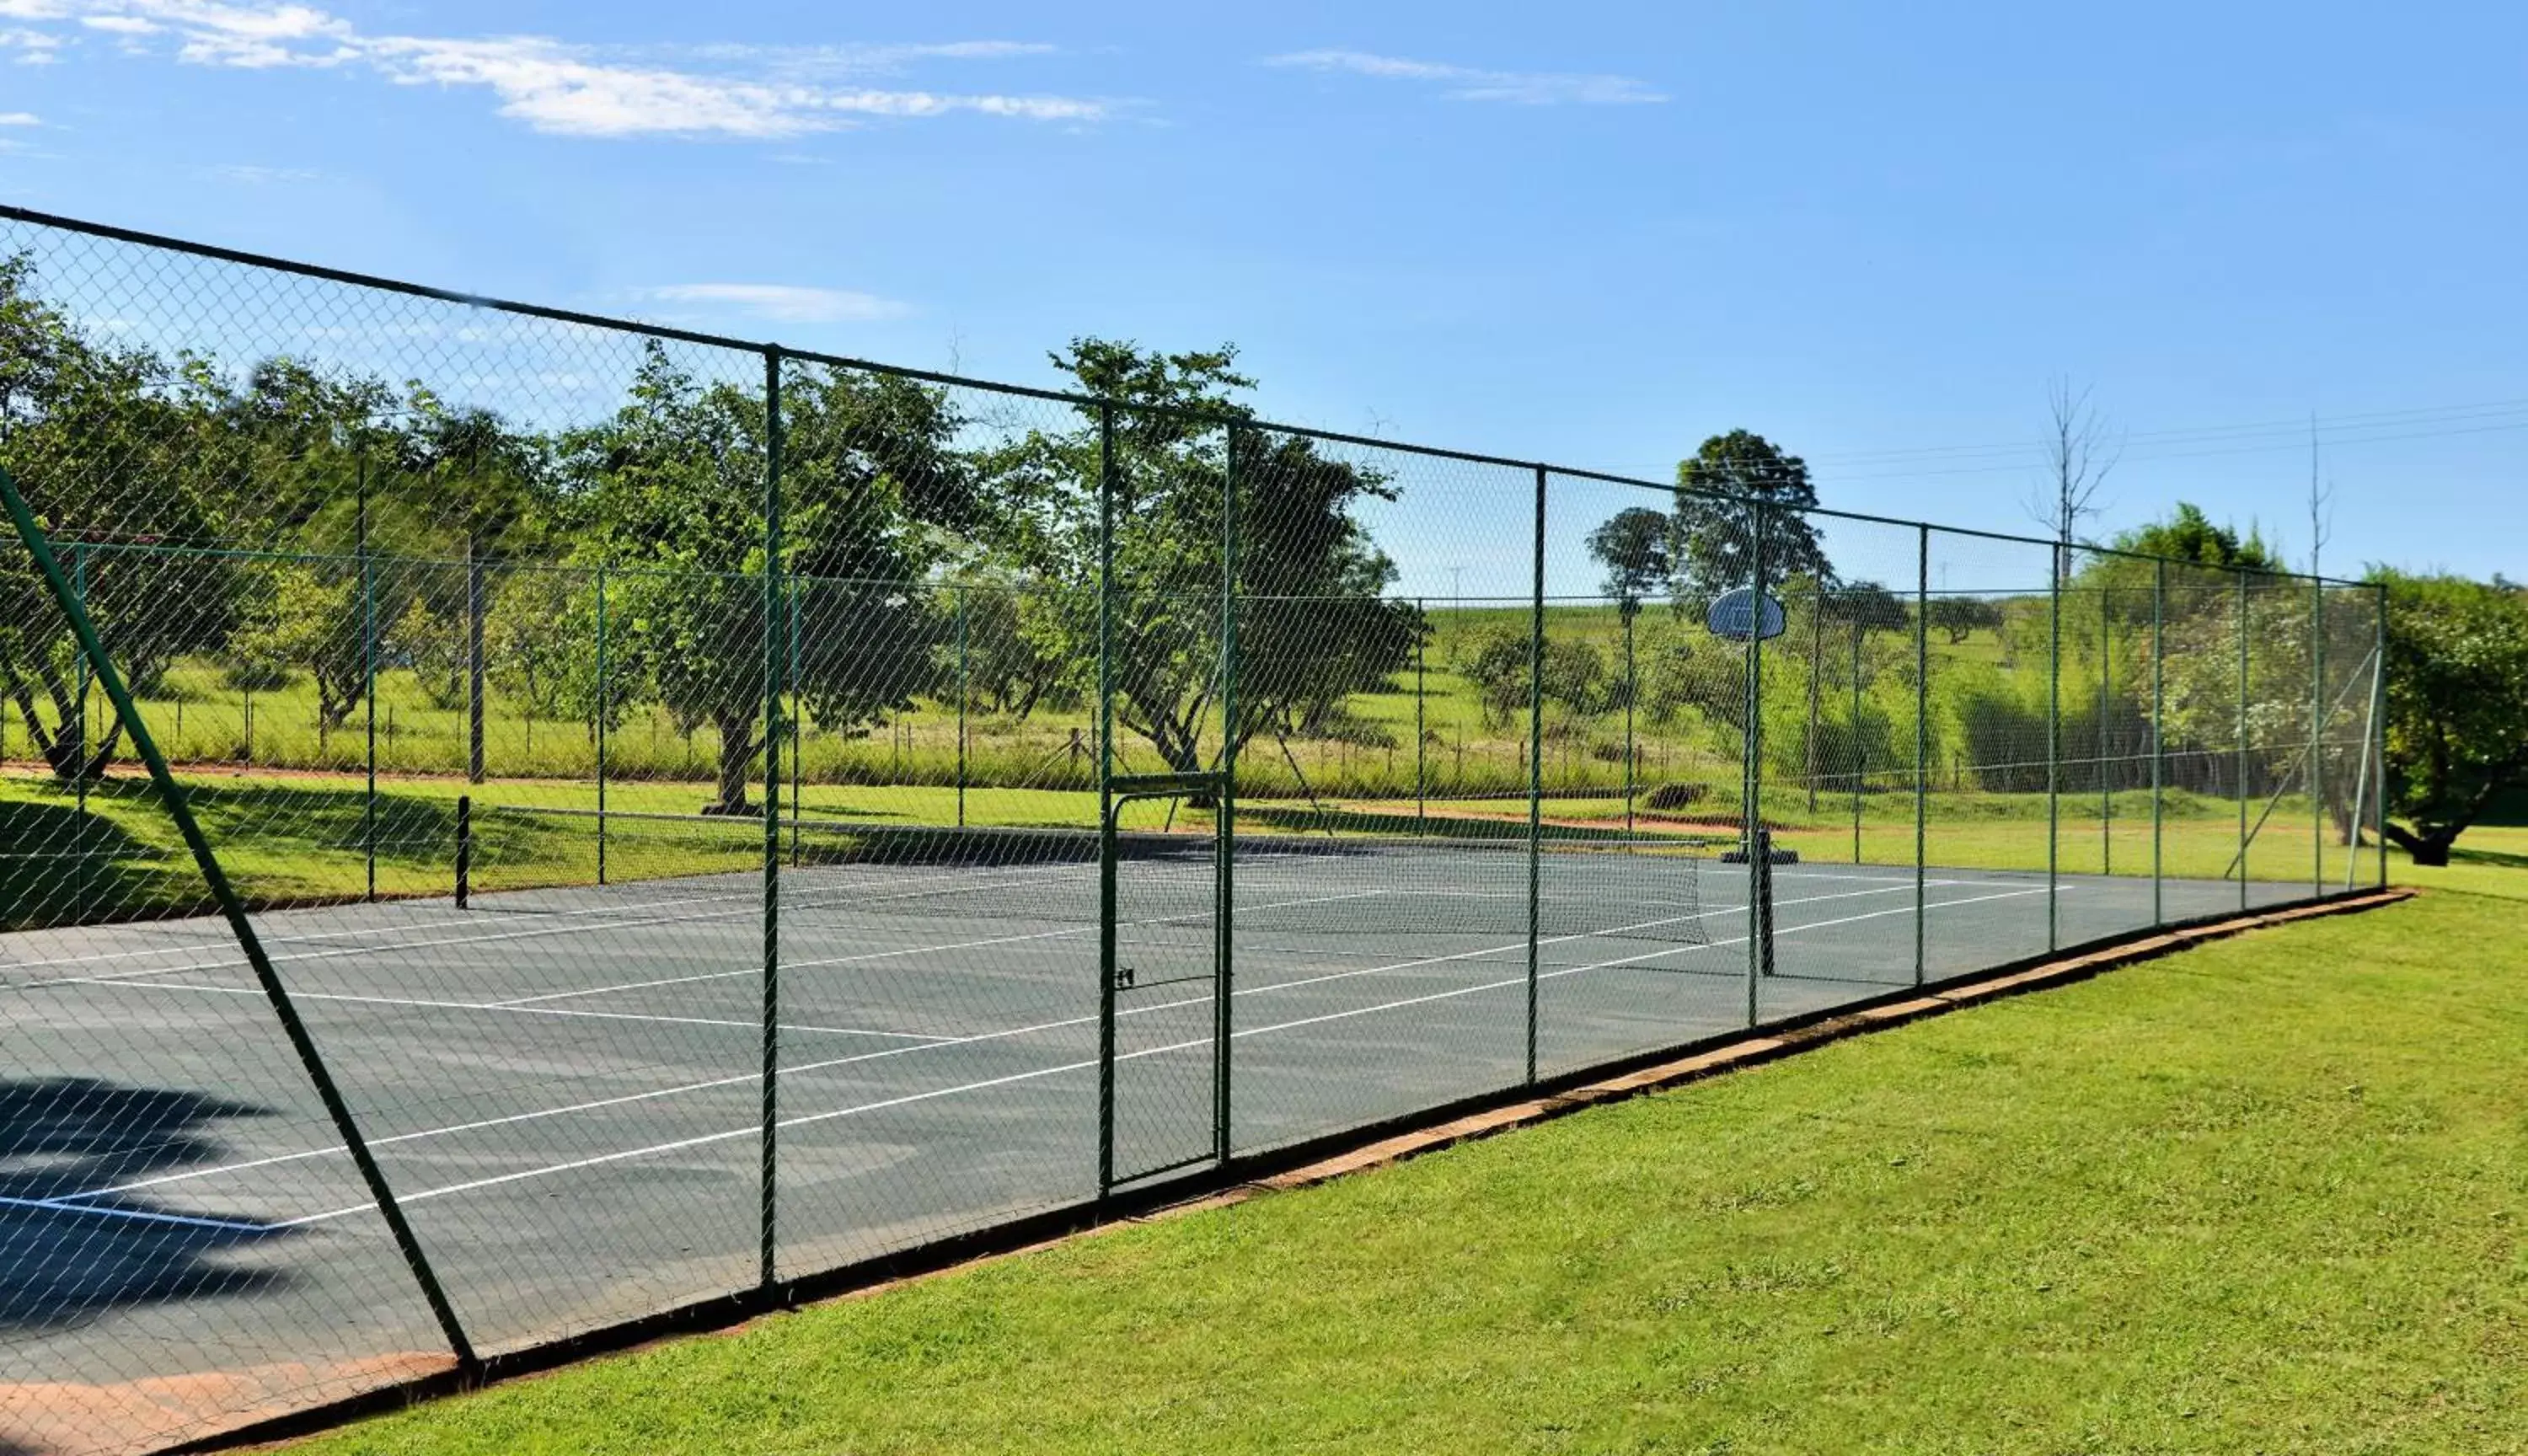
(697, 816)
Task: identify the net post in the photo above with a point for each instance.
(1922, 743)
(465, 849)
(2054, 750)
(605, 720)
(1105, 798)
(474, 706)
(776, 659)
(368, 676)
(2158, 739)
(1751, 787)
(1535, 764)
(1225, 816)
(2241, 773)
(233, 909)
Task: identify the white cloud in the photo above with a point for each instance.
(790, 303)
(20, 119)
(34, 47)
(555, 86)
(1471, 83)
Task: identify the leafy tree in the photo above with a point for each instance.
(670, 491)
(1574, 673)
(1011, 661)
(120, 454)
(2189, 537)
(305, 617)
(2457, 705)
(1314, 623)
(1713, 540)
(1498, 668)
(1867, 605)
(1633, 546)
(1960, 618)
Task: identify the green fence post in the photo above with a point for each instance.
(2378, 746)
(1225, 816)
(605, 720)
(798, 716)
(1922, 743)
(962, 690)
(1860, 752)
(2158, 738)
(1752, 749)
(1105, 799)
(215, 879)
(78, 766)
(2054, 754)
(2241, 784)
(1535, 766)
(2106, 782)
(2317, 729)
(776, 659)
(368, 679)
(1632, 690)
(474, 705)
(1421, 733)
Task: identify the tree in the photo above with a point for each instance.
(1960, 618)
(2457, 705)
(121, 454)
(670, 492)
(2081, 450)
(1314, 623)
(1713, 539)
(2189, 537)
(1633, 545)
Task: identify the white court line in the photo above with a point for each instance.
(751, 1077)
(807, 1118)
(542, 917)
(1066, 932)
(524, 1011)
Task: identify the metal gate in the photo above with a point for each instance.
(1163, 987)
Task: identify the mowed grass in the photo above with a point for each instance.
(2266, 1196)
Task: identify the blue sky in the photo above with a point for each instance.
(1587, 233)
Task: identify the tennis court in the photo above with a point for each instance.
(563, 1085)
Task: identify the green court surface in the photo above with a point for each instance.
(2264, 1196)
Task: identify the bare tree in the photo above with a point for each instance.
(2321, 504)
(2080, 448)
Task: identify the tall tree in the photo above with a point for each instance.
(1713, 536)
(670, 491)
(1314, 623)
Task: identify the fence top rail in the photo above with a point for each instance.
(1231, 420)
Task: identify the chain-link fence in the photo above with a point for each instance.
(520, 823)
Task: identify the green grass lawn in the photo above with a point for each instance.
(2266, 1196)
